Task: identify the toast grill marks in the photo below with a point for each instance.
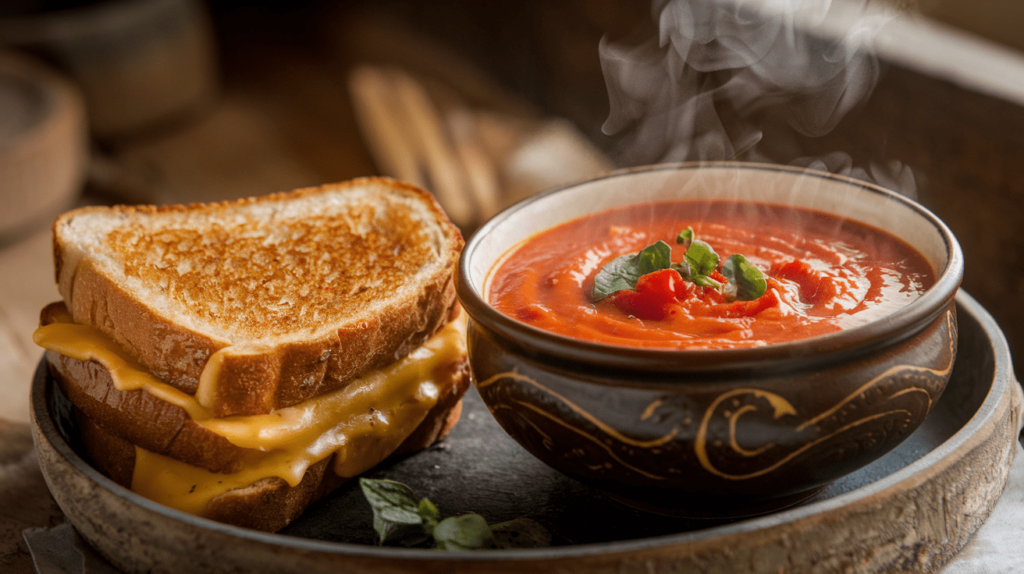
(157, 281)
(277, 276)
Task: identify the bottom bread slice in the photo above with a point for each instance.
(269, 504)
(148, 436)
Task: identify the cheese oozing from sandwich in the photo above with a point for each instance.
(361, 423)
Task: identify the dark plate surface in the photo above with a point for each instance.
(478, 468)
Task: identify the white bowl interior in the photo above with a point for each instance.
(750, 182)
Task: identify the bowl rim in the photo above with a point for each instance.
(798, 355)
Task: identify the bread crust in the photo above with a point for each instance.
(258, 381)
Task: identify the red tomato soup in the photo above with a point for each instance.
(822, 274)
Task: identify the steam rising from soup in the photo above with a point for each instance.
(712, 77)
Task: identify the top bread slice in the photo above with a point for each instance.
(301, 291)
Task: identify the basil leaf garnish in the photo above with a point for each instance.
(394, 505)
(429, 515)
(743, 281)
(750, 282)
(623, 272)
(685, 237)
(466, 532)
(395, 508)
(702, 258)
(654, 257)
(618, 274)
(683, 268)
(427, 510)
(705, 281)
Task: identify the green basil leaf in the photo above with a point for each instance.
(623, 272)
(393, 503)
(702, 258)
(618, 274)
(750, 282)
(654, 257)
(429, 514)
(685, 237)
(683, 268)
(730, 292)
(466, 532)
(427, 510)
(705, 281)
(520, 533)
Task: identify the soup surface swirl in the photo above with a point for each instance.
(823, 274)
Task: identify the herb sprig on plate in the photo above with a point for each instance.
(744, 281)
(398, 514)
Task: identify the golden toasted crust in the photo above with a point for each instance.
(302, 302)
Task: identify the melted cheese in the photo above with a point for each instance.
(362, 423)
(87, 343)
(206, 393)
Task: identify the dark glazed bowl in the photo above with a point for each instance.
(714, 433)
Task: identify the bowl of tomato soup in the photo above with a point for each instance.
(712, 340)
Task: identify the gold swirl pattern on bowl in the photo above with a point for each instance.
(726, 457)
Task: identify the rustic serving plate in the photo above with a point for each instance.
(910, 511)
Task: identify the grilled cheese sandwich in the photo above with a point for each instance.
(202, 443)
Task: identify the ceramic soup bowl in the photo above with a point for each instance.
(722, 432)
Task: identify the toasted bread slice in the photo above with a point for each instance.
(291, 295)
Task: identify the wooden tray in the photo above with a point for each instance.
(910, 511)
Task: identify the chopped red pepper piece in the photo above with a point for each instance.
(665, 285)
(654, 296)
(660, 293)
